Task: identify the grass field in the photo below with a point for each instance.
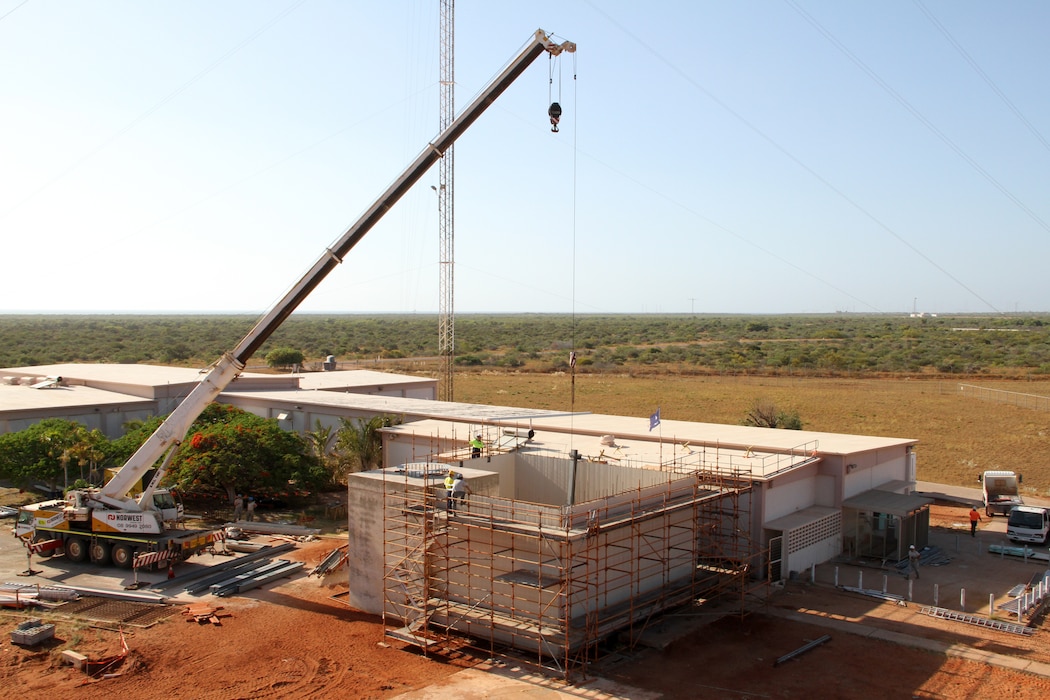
(959, 435)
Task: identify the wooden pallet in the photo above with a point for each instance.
(203, 614)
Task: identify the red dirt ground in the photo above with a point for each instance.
(291, 641)
(295, 641)
(734, 658)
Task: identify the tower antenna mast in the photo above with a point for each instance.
(446, 207)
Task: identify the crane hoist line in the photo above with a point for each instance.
(109, 523)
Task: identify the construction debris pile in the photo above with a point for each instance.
(204, 614)
(1029, 600)
(335, 560)
(21, 595)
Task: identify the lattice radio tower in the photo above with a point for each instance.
(446, 206)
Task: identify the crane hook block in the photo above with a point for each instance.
(555, 115)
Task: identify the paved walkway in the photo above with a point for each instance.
(960, 650)
(965, 495)
(489, 681)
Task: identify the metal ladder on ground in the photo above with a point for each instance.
(945, 614)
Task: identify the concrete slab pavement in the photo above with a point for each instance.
(965, 495)
(969, 653)
(489, 681)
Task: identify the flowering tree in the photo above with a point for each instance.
(230, 450)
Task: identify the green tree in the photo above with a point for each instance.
(230, 450)
(320, 441)
(45, 451)
(87, 454)
(135, 433)
(359, 445)
(284, 357)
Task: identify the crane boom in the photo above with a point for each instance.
(171, 432)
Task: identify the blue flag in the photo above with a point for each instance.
(654, 420)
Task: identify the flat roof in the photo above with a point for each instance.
(155, 376)
(879, 501)
(669, 440)
(142, 375)
(23, 398)
(729, 436)
(396, 405)
(638, 453)
(352, 378)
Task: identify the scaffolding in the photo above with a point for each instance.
(555, 582)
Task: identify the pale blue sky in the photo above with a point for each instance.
(770, 156)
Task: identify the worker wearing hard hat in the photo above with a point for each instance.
(449, 479)
(459, 491)
(476, 446)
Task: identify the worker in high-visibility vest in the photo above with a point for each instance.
(449, 479)
(476, 446)
(975, 517)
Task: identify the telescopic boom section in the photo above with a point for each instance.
(174, 427)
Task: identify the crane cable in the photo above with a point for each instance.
(572, 344)
(554, 111)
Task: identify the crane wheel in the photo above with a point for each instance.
(77, 549)
(48, 553)
(123, 555)
(99, 552)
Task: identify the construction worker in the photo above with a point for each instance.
(238, 507)
(476, 446)
(449, 480)
(251, 508)
(913, 561)
(459, 491)
(975, 517)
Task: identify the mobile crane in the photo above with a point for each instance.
(106, 524)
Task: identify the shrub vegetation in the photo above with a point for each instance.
(818, 345)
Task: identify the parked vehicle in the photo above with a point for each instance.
(1029, 524)
(1001, 492)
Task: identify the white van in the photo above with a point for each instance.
(1028, 524)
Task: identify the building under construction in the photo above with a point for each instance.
(549, 556)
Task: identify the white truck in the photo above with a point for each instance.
(1002, 491)
(1029, 524)
(107, 524)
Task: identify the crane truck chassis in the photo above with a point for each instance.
(107, 536)
(106, 524)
